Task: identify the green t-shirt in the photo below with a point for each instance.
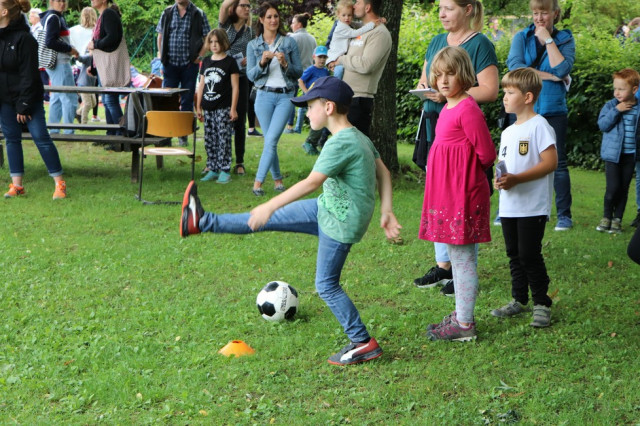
(346, 205)
(479, 48)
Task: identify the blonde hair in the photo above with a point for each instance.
(14, 7)
(550, 5)
(88, 17)
(525, 80)
(454, 60)
(342, 4)
(476, 18)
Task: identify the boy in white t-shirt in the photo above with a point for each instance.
(524, 176)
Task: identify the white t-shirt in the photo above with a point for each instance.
(80, 38)
(520, 148)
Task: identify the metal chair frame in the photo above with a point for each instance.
(167, 124)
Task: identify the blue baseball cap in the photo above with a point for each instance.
(321, 51)
(330, 88)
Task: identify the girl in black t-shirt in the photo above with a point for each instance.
(216, 102)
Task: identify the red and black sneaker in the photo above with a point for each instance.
(354, 353)
(192, 211)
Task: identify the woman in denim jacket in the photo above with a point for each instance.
(273, 65)
(552, 53)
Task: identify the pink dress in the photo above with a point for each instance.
(456, 195)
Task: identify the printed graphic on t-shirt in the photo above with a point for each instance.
(523, 146)
(212, 76)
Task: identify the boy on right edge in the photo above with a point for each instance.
(528, 150)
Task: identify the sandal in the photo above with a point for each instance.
(280, 187)
(258, 192)
(239, 169)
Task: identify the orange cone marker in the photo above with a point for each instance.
(237, 348)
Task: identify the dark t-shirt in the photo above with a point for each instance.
(217, 82)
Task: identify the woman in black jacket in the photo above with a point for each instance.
(107, 36)
(21, 97)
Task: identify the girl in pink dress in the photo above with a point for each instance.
(456, 196)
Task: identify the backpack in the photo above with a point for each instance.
(47, 58)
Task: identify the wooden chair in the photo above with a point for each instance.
(167, 124)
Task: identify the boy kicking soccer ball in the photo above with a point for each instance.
(348, 168)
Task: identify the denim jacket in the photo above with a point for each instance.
(259, 75)
(612, 127)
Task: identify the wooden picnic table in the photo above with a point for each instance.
(160, 99)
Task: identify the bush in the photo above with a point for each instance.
(598, 56)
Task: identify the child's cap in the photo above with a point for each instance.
(321, 51)
(329, 88)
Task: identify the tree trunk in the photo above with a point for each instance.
(384, 127)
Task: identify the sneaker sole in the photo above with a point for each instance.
(561, 229)
(373, 355)
(434, 338)
(185, 203)
(431, 285)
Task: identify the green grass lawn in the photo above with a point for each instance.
(107, 315)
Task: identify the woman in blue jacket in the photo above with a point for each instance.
(273, 65)
(552, 53)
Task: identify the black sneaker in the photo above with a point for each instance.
(636, 221)
(433, 277)
(192, 211)
(448, 289)
(354, 353)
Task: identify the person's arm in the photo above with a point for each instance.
(261, 214)
(235, 90)
(374, 52)
(302, 86)
(475, 128)
(515, 59)
(52, 36)
(548, 163)
(487, 89)
(206, 28)
(224, 13)
(159, 43)
(388, 220)
(27, 84)
(112, 28)
(609, 116)
(346, 31)
(198, 98)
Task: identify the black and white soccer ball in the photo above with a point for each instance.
(277, 301)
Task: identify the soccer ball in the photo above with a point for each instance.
(277, 301)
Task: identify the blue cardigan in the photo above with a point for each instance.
(612, 127)
(552, 100)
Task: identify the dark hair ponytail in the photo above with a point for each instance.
(303, 19)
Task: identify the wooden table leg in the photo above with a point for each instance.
(135, 164)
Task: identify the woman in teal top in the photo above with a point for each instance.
(463, 20)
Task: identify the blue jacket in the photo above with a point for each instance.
(259, 75)
(552, 100)
(612, 127)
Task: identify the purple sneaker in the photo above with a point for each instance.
(446, 320)
(453, 331)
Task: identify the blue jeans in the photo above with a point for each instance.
(561, 179)
(37, 126)
(302, 111)
(273, 110)
(302, 217)
(62, 106)
(112, 110)
(182, 77)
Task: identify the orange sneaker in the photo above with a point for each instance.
(61, 190)
(14, 191)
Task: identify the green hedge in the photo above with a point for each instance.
(596, 59)
(598, 56)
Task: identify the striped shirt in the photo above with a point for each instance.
(630, 121)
